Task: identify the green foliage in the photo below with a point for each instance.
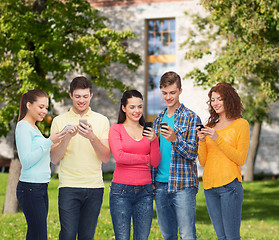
(242, 37)
(42, 40)
(260, 214)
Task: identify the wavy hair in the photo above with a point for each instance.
(232, 103)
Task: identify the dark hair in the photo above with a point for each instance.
(124, 100)
(232, 103)
(80, 82)
(31, 97)
(170, 78)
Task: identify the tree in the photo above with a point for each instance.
(42, 40)
(242, 38)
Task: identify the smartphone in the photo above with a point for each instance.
(200, 126)
(162, 124)
(84, 121)
(146, 125)
(66, 128)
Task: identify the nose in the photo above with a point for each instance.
(168, 96)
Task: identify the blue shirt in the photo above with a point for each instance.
(34, 153)
(165, 146)
(183, 167)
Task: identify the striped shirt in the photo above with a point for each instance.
(183, 168)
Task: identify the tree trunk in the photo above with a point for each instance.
(250, 163)
(11, 203)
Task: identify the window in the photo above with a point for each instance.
(160, 59)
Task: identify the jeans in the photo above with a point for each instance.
(134, 201)
(176, 211)
(33, 200)
(224, 205)
(79, 209)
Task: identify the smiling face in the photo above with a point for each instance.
(81, 100)
(170, 95)
(217, 103)
(38, 109)
(133, 109)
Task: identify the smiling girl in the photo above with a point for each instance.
(135, 151)
(34, 155)
(223, 148)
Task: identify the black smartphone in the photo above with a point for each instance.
(146, 125)
(84, 121)
(200, 126)
(66, 128)
(163, 125)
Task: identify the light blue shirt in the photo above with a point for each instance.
(166, 148)
(34, 153)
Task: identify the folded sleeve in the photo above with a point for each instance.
(155, 154)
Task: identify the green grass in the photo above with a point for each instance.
(260, 215)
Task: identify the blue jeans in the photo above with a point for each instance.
(128, 201)
(79, 209)
(33, 200)
(176, 211)
(224, 205)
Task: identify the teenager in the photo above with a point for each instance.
(223, 148)
(81, 154)
(176, 179)
(34, 155)
(135, 150)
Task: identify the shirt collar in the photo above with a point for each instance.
(87, 114)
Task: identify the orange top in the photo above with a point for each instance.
(223, 158)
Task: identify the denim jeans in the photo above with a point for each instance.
(79, 209)
(131, 201)
(176, 211)
(224, 205)
(33, 200)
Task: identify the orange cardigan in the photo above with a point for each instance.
(223, 158)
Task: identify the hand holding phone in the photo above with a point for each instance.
(84, 121)
(66, 128)
(145, 127)
(164, 125)
(200, 126)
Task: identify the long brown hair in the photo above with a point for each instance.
(124, 100)
(232, 103)
(31, 96)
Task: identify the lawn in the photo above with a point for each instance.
(260, 216)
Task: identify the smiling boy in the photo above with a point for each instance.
(176, 179)
(81, 153)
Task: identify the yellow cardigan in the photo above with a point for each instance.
(223, 158)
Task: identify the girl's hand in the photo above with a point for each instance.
(200, 134)
(150, 134)
(210, 132)
(57, 137)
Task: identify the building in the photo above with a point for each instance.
(161, 26)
